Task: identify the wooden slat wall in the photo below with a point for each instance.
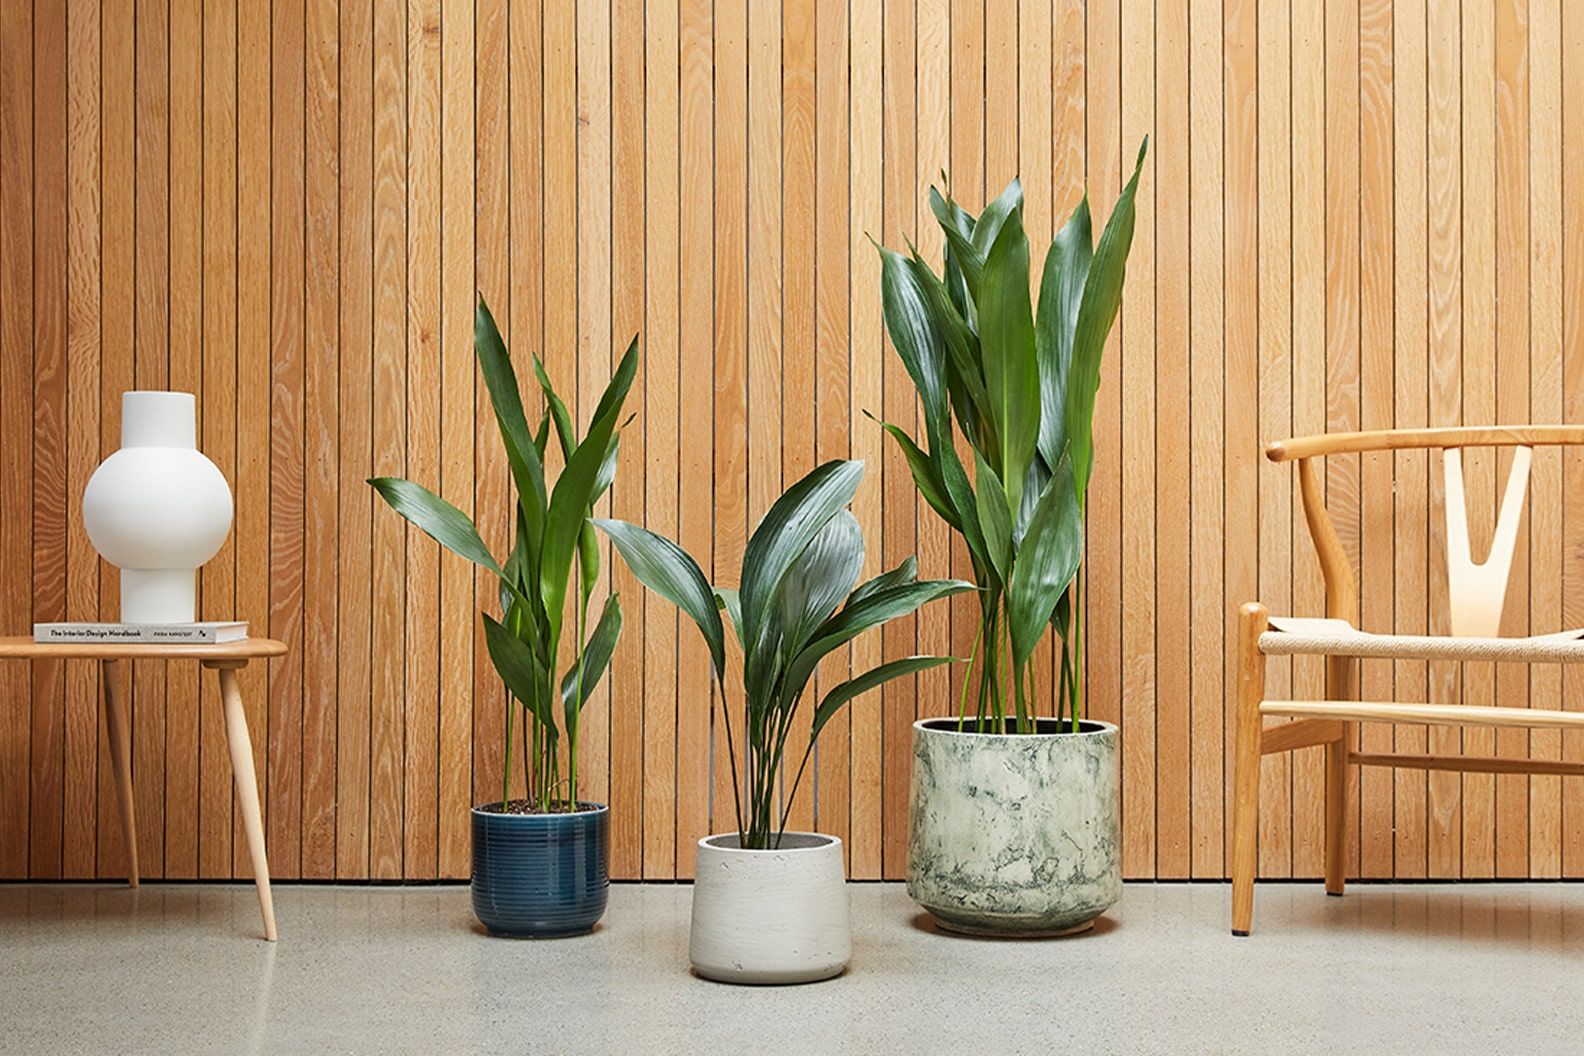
(1355, 213)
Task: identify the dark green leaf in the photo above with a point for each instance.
(872, 611)
(1102, 297)
(596, 658)
(819, 580)
(789, 525)
(925, 476)
(842, 694)
(1061, 292)
(906, 572)
(573, 493)
(440, 520)
(727, 600)
(523, 455)
(911, 324)
(1045, 563)
(516, 665)
(1006, 336)
(557, 411)
(666, 569)
(994, 519)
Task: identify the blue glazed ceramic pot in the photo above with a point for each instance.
(540, 875)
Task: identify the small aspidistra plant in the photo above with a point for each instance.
(1020, 388)
(794, 605)
(552, 534)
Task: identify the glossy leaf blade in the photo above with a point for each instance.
(844, 693)
(437, 518)
(666, 569)
(1061, 292)
(596, 658)
(1046, 562)
(1006, 342)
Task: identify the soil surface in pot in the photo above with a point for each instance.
(1044, 726)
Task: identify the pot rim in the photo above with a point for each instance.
(1098, 728)
(827, 841)
(589, 809)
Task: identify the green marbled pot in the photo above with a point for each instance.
(1015, 834)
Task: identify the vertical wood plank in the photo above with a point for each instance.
(1309, 386)
(630, 134)
(527, 222)
(457, 386)
(84, 359)
(1205, 227)
(797, 325)
(1342, 296)
(833, 376)
(595, 337)
(49, 497)
(1512, 354)
(1377, 408)
(1412, 468)
(865, 194)
(900, 637)
(494, 517)
(1545, 390)
(933, 129)
(1444, 191)
(388, 655)
(655, 709)
(254, 122)
(151, 370)
(1572, 202)
(1274, 353)
(118, 324)
(355, 411)
(1479, 362)
(1138, 469)
(218, 418)
(420, 821)
(284, 784)
(1169, 187)
(321, 368)
(706, 220)
(16, 406)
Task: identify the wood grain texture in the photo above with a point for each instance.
(1356, 214)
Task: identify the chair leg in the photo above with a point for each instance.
(121, 758)
(1340, 687)
(1246, 764)
(241, 747)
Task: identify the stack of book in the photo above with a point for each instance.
(212, 633)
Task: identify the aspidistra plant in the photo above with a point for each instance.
(795, 604)
(553, 536)
(1019, 385)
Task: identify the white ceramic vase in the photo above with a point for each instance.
(778, 916)
(157, 509)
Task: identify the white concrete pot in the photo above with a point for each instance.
(776, 916)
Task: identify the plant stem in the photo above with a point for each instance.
(731, 754)
(1077, 662)
(962, 707)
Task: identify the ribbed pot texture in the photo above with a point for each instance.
(1013, 833)
(540, 875)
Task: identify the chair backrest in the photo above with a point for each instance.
(1475, 592)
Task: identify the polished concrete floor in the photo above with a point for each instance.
(1478, 968)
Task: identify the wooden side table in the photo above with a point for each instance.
(226, 660)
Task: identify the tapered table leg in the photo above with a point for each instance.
(121, 758)
(241, 747)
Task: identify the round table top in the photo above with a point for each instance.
(25, 648)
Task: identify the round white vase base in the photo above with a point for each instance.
(158, 595)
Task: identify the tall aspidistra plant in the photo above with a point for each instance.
(1018, 383)
(553, 536)
(795, 604)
